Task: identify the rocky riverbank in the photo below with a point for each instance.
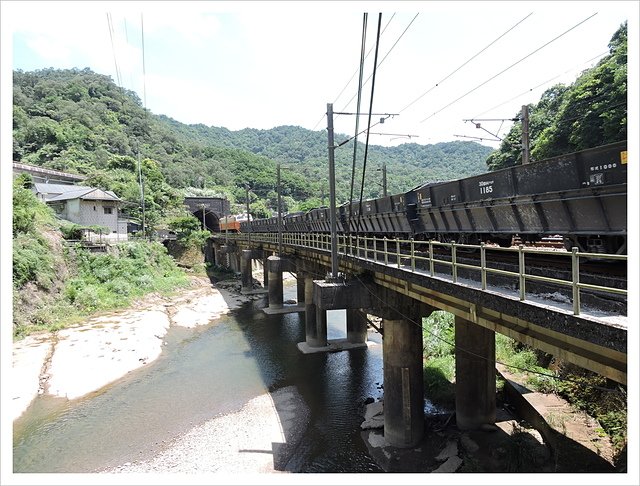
(81, 359)
(259, 438)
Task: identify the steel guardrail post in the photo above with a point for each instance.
(375, 249)
(483, 266)
(521, 271)
(413, 256)
(398, 252)
(386, 255)
(431, 258)
(454, 259)
(575, 280)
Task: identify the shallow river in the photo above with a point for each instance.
(202, 373)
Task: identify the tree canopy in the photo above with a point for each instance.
(590, 112)
(79, 121)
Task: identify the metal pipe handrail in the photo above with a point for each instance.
(321, 241)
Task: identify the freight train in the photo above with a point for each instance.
(581, 197)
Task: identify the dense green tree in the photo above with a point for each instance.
(79, 121)
(590, 112)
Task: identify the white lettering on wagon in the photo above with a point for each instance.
(486, 187)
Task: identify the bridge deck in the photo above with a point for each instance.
(589, 340)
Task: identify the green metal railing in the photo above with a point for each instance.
(415, 256)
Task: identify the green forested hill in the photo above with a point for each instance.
(590, 112)
(80, 121)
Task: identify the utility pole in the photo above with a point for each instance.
(246, 188)
(384, 179)
(279, 212)
(332, 194)
(525, 134)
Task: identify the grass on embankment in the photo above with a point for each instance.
(96, 282)
(580, 387)
(55, 285)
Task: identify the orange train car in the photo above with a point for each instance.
(232, 223)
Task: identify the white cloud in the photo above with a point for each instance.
(267, 63)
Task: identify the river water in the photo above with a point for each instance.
(203, 373)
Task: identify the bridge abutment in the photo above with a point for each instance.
(475, 375)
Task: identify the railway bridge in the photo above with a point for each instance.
(403, 281)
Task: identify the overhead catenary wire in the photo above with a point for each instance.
(385, 56)
(355, 138)
(352, 76)
(366, 145)
(113, 48)
(539, 85)
(465, 63)
(141, 180)
(126, 36)
(144, 71)
(508, 68)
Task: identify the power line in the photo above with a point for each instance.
(113, 48)
(144, 76)
(366, 145)
(126, 35)
(355, 143)
(352, 76)
(465, 63)
(387, 54)
(146, 115)
(508, 68)
(541, 84)
(362, 60)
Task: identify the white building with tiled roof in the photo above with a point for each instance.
(86, 206)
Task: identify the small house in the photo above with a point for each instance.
(86, 206)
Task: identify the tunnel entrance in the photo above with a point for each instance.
(209, 220)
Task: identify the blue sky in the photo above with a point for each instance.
(261, 65)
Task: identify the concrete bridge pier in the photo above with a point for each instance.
(209, 251)
(320, 339)
(236, 261)
(475, 375)
(247, 271)
(265, 269)
(276, 292)
(222, 256)
(311, 332)
(403, 382)
(300, 287)
(356, 326)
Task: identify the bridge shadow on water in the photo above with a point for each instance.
(319, 398)
(320, 401)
